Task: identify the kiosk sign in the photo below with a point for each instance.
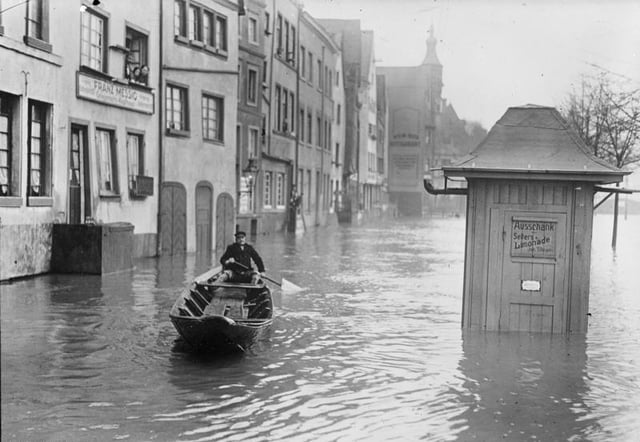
(533, 238)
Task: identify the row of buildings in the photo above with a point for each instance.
(190, 120)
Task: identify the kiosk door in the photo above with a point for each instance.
(527, 273)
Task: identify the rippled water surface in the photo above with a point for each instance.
(371, 350)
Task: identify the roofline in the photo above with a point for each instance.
(556, 175)
(322, 32)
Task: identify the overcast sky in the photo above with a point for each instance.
(499, 53)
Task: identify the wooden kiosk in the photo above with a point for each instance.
(531, 184)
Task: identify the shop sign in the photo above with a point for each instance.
(533, 238)
(114, 94)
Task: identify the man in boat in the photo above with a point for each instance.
(236, 262)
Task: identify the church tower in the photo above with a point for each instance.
(432, 76)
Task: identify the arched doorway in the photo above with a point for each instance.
(173, 219)
(224, 222)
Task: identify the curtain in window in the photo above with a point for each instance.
(5, 154)
(35, 151)
(34, 19)
(280, 190)
(175, 108)
(91, 44)
(178, 18)
(133, 153)
(103, 142)
(253, 143)
(221, 33)
(268, 190)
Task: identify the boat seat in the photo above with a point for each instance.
(226, 306)
(242, 285)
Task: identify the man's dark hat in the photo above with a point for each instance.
(240, 232)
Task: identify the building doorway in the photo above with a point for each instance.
(79, 190)
(224, 222)
(204, 212)
(173, 219)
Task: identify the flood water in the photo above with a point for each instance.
(371, 350)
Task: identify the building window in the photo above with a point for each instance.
(195, 25)
(105, 146)
(253, 143)
(292, 112)
(265, 66)
(93, 40)
(280, 190)
(176, 108)
(38, 149)
(221, 33)
(278, 109)
(301, 126)
(268, 189)
(208, 29)
(338, 113)
(291, 54)
(327, 83)
(34, 19)
(308, 190)
(279, 35)
(309, 127)
(135, 157)
(180, 18)
(8, 154)
(212, 112)
(319, 74)
(285, 111)
(267, 23)
(137, 69)
(303, 62)
(310, 68)
(319, 132)
(252, 86)
(253, 30)
(337, 155)
(289, 43)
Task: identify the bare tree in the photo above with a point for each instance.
(606, 115)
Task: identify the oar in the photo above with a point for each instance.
(286, 285)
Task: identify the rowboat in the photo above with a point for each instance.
(222, 316)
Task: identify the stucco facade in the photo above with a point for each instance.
(74, 114)
(200, 92)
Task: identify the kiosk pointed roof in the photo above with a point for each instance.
(535, 141)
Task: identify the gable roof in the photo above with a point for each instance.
(536, 141)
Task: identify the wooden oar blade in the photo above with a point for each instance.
(290, 287)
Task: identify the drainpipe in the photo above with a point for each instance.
(323, 136)
(160, 133)
(297, 110)
(428, 186)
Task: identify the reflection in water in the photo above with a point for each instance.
(371, 350)
(523, 386)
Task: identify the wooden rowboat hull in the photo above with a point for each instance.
(222, 317)
(217, 333)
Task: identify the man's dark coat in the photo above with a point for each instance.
(243, 257)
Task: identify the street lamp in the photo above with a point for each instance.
(250, 172)
(249, 176)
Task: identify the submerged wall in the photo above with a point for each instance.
(25, 249)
